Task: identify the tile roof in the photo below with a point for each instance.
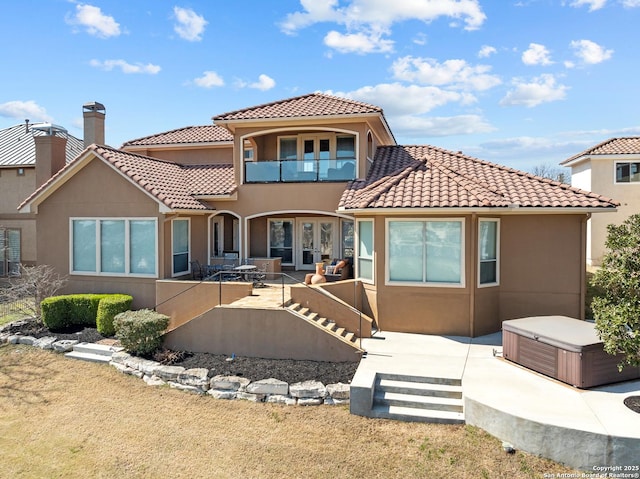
(186, 135)
(311, 105)
(614, 146)
(430, 177)
(17, 147)
(176, 186)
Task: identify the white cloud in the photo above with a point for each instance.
(486, 51)
(367, 20)
(190, 25)
(24, 110)
(94, 21)
(415, 128)
(592, 4)
(209, 79)
(264, 83)
(126, 67)
(455, 73)
(397, 99)
(590, 52)
(358, 42)
(631, 3)
(536, 54)
(543, 89)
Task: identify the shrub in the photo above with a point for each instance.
(140, 332)
(108, 308)
(61, 312)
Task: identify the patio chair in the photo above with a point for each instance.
(259, 276)
(197, 272)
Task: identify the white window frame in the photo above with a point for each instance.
(8, 253)
(461, 284)
(127, 247)
(615, 173)
(497, 258)
(357, 250)
(175, 274)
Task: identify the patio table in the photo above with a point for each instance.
(245, 270)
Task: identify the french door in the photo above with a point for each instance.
(317, 242)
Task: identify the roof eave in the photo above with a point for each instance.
(510, 210)
(176, 146)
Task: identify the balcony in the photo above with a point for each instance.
(300, 171)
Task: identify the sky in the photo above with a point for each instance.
(523, 83)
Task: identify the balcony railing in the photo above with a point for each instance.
(300, 171)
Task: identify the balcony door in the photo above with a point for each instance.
(317, 242)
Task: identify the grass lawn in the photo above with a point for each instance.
(65, 419)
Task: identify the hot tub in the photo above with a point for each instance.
(563, 348)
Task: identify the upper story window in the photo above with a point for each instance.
(488, 252)
(309, 157)
(627, 172)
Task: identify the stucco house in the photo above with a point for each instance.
(612, 169)
(20, 175)
(442, 243)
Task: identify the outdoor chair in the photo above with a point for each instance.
(259, 276)
(196, 270)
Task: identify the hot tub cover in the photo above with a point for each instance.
(560, 331)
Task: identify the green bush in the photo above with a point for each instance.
(140, 332)
(61, 312)
(55, 313)
(108, 308)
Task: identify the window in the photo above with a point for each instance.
(488, 248)
(281, 240)
(627, 172)
(288, 147)
(347, 239)
(180, 246)
(426, 252)
(9, 252)
(114, 246)
(365, 249)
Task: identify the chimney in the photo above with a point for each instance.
(51, 154)
(93, 113)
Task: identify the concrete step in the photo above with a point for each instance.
(97, 349)
(420, 379)
(419, 388)
(410, 414)
(94, 358)
(430, 403)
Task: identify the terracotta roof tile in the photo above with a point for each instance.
(176, 186)
(613, 146)
(189, 134)
(311, 105)
(429, 177)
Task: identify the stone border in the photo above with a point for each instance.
(197, 381)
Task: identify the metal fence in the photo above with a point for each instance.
(22, 305)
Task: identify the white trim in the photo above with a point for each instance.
(615, 173)
(127, 246)
(497, 260)
(356, 259)
(188, 270)
(461, 284)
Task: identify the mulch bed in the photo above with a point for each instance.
(254, 369)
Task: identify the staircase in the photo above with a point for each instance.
(325, 323)
(97, 353)
(418, 399)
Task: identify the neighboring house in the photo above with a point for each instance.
(612, 169)
(442, 243)
(20, 175)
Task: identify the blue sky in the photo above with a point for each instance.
(522, 83)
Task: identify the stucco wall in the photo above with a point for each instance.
(95, 191)
(603, 183)
(14, 189)
(269, 333)
(192, 156)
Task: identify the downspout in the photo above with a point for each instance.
(583, 263)
(474, 273)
